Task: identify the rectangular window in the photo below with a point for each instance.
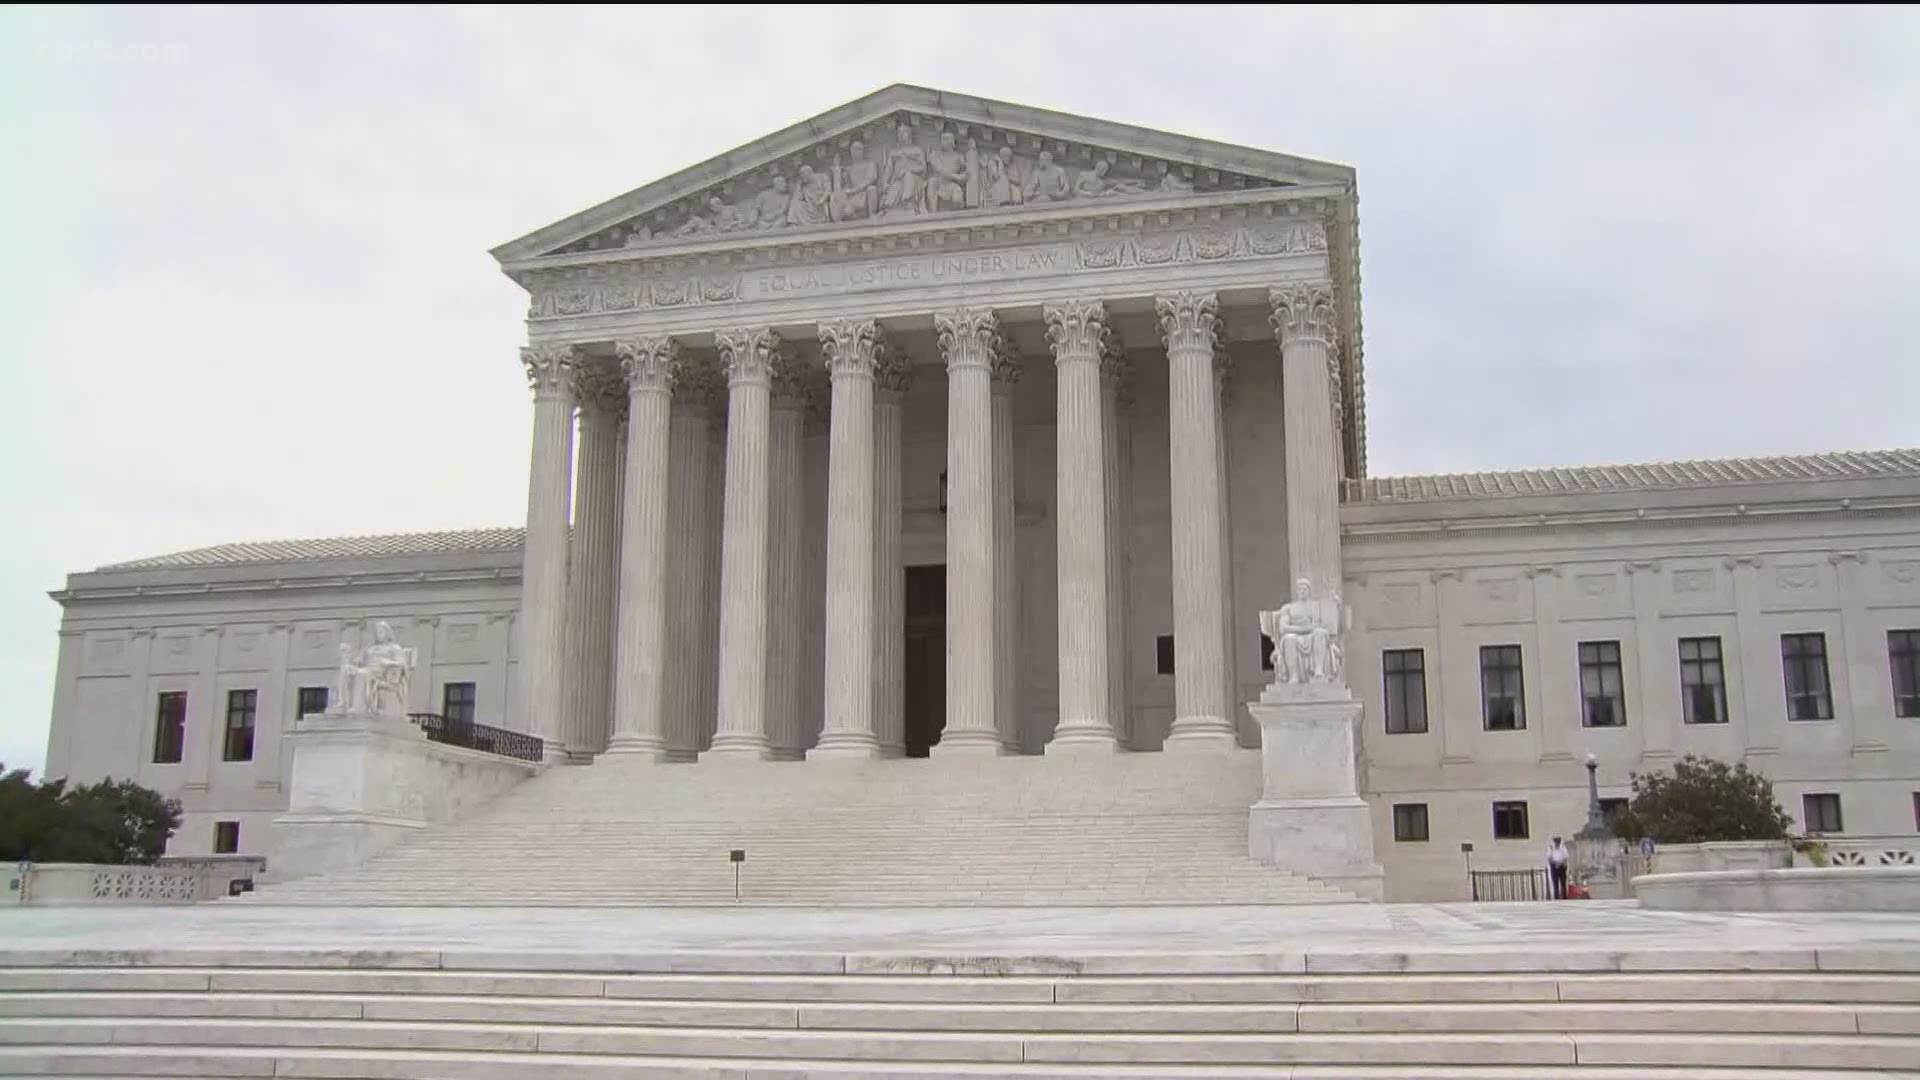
(1405, 671)
(1410, 822)
(1611, 809)
(1803, 657)
(226, 837)
(170, 728)
(1703, 681)
(1603, 699)
(457, 703)
(1903, 655)
(1502, 695)
(313, 701)
(1163, 653)
(1820, 813)
(1266, 653)
(239, 742)
(1916, 811)
(1509, 821)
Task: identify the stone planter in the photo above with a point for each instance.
(1723, 855)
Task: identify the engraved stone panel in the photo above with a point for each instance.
(1797, 586)
(1396, 604)
(1497, 597)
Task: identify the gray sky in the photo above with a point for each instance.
(245, 252)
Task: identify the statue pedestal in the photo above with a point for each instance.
(363, 783)
(1310, 818)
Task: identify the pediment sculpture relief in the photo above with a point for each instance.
(914, 170)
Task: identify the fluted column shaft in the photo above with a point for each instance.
(969, 341)
(1078, 332)
(640, 668)
(1006, 575)
(891, 381)
(1229, 627)
(1303, 320)
(690, 556)
(1113, 380)
(543, 567)
(590, 585)
(1189, 323)
(852, 347)
(786, 580)
(741, 729)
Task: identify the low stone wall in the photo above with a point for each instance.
(1844, 888)
(362, 784)
(1722, 855)
(171, 882)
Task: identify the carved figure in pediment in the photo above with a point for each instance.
(637, 233)
(856, 187)
(1170, 182)
(1096, 182)
(811, 199)
(904, 181)
(947, 182)
(727, 218)
(1048, 183)
(1002, 181)
(770, 209)
(697, 224)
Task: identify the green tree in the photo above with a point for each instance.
(113, 821)
(1702, 800)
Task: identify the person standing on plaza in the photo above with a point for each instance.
(1557, 868)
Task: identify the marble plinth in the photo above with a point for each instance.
(1310, 818)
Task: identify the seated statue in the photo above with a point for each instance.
(1306, 638)
(378, 684)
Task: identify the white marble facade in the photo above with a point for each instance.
(1110, 380)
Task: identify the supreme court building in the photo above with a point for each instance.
(941, 427)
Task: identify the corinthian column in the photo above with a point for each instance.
(590, 585)
(640, 670)
(787, 599)
(1006, 573)
(1078, 331)
(1190, 323)
(1115, 375)
(970, 340)
(748, 355)
(1303, 319)
(853, 347)
(690, 557)
(891, 380)
(543, 559)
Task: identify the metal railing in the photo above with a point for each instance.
(1505, 885)
(472, 736)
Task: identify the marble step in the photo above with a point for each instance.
(1107, 1048)
(882, 1016)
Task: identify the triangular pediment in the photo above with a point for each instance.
(907, 153)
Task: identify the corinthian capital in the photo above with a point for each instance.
(697, 383)
(549, 367)
(748, 354)
(1189, 320)
(597, 387)
(969, 337)
(892, 374)
(648, 363)
(853, 347)
(1077, 329)
(1303, 312)
(1006, 367)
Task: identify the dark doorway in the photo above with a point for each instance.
(926, 659)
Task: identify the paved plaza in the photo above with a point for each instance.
(1539, 936)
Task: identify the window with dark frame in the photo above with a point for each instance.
(226, 838)
(1410, 822)
(1916, 811)
(313, 701)
(238, 744)
(1820, 812)
(1603, 698)
(1266, 653)
(1404, 672)
(1803, 660)
(1903, 656)
(1703, 681)
(170, 728)
(1510, 821)
(1503, 704)
(1163, 653)
(457, 702)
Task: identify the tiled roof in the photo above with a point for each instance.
(1659, 476)
(339, 547)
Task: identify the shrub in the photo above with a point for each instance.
(1702, 800)
(113, 821)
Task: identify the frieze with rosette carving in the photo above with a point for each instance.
(685, 283)
(909, 166)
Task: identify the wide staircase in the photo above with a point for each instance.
(283, 1013)
(1056, 830)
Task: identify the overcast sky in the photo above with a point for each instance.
(247, 292)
